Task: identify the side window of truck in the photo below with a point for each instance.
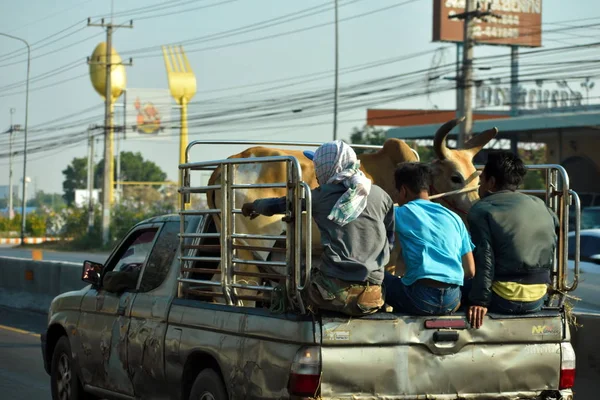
(161, 257)
(123, 272)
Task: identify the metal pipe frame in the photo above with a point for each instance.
(295, 280)
(308, 252)
(199, 235)
(252, 287)
(225, 217)
(182, 235)
(231, 280)
(259, 262)
(201, 282)
(260, 186)
(236, 161)
(258, 237)
(198, 189)
(573, 286)
(199, 258)
(201, 212)
(277, 143)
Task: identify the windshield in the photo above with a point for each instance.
(590, 218)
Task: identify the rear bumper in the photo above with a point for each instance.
(44, 355)
(545, 395)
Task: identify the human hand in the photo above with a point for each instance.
(249, 211)
(476, 314)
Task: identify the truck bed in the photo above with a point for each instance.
(384, 355)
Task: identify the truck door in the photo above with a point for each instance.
(105, 314)
(145, 348)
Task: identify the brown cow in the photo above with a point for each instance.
(453, 169)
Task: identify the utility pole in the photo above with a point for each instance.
(119, 186)
(11, 212)
(336, 87)
(107, 189)
(472, 12)
(90, 180)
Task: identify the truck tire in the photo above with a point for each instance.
(64, 381)
(208, 386)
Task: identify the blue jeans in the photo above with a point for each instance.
(419, 299)
(502, 306)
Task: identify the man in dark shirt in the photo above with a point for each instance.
(515, 237)
(356, 222)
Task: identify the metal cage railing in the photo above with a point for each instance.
(296, 269)
(223, 282)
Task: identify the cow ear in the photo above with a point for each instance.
(477, 142)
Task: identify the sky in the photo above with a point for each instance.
(228, 68)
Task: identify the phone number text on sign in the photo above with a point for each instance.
(492, 31)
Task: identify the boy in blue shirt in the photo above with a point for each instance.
(436, 249)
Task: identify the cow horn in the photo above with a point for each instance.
(476, 143)
(439, 141)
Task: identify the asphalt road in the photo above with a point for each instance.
(11, 251)
(22, 374)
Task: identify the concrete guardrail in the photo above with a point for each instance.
(31, 285)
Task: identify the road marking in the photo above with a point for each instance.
(21, 331)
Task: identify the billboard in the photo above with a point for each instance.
(520, 25)
(82, 197)
(148, 112)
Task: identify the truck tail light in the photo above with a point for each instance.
(567, 366)
(305, 373)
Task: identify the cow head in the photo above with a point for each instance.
(453, 169)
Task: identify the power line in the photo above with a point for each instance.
(535, 52)
(246, 119)
(20, 52)
(296, 98)
(53, 52)
(286, 18)
(221, 3)
(290, 32)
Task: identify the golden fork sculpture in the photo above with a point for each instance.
(182, 83)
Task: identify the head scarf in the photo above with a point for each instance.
(336, 162)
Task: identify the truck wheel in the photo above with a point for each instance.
(208, 386)
(63, 378)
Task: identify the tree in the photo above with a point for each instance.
(75, 178)
(376, 136)
(533, 179)
(367, 135)
(133, 168)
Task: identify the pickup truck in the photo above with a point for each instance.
(142, 330)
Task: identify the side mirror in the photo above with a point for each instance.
(91, 272)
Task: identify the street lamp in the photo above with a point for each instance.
(23, 201)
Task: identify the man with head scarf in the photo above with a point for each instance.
(356, 221)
